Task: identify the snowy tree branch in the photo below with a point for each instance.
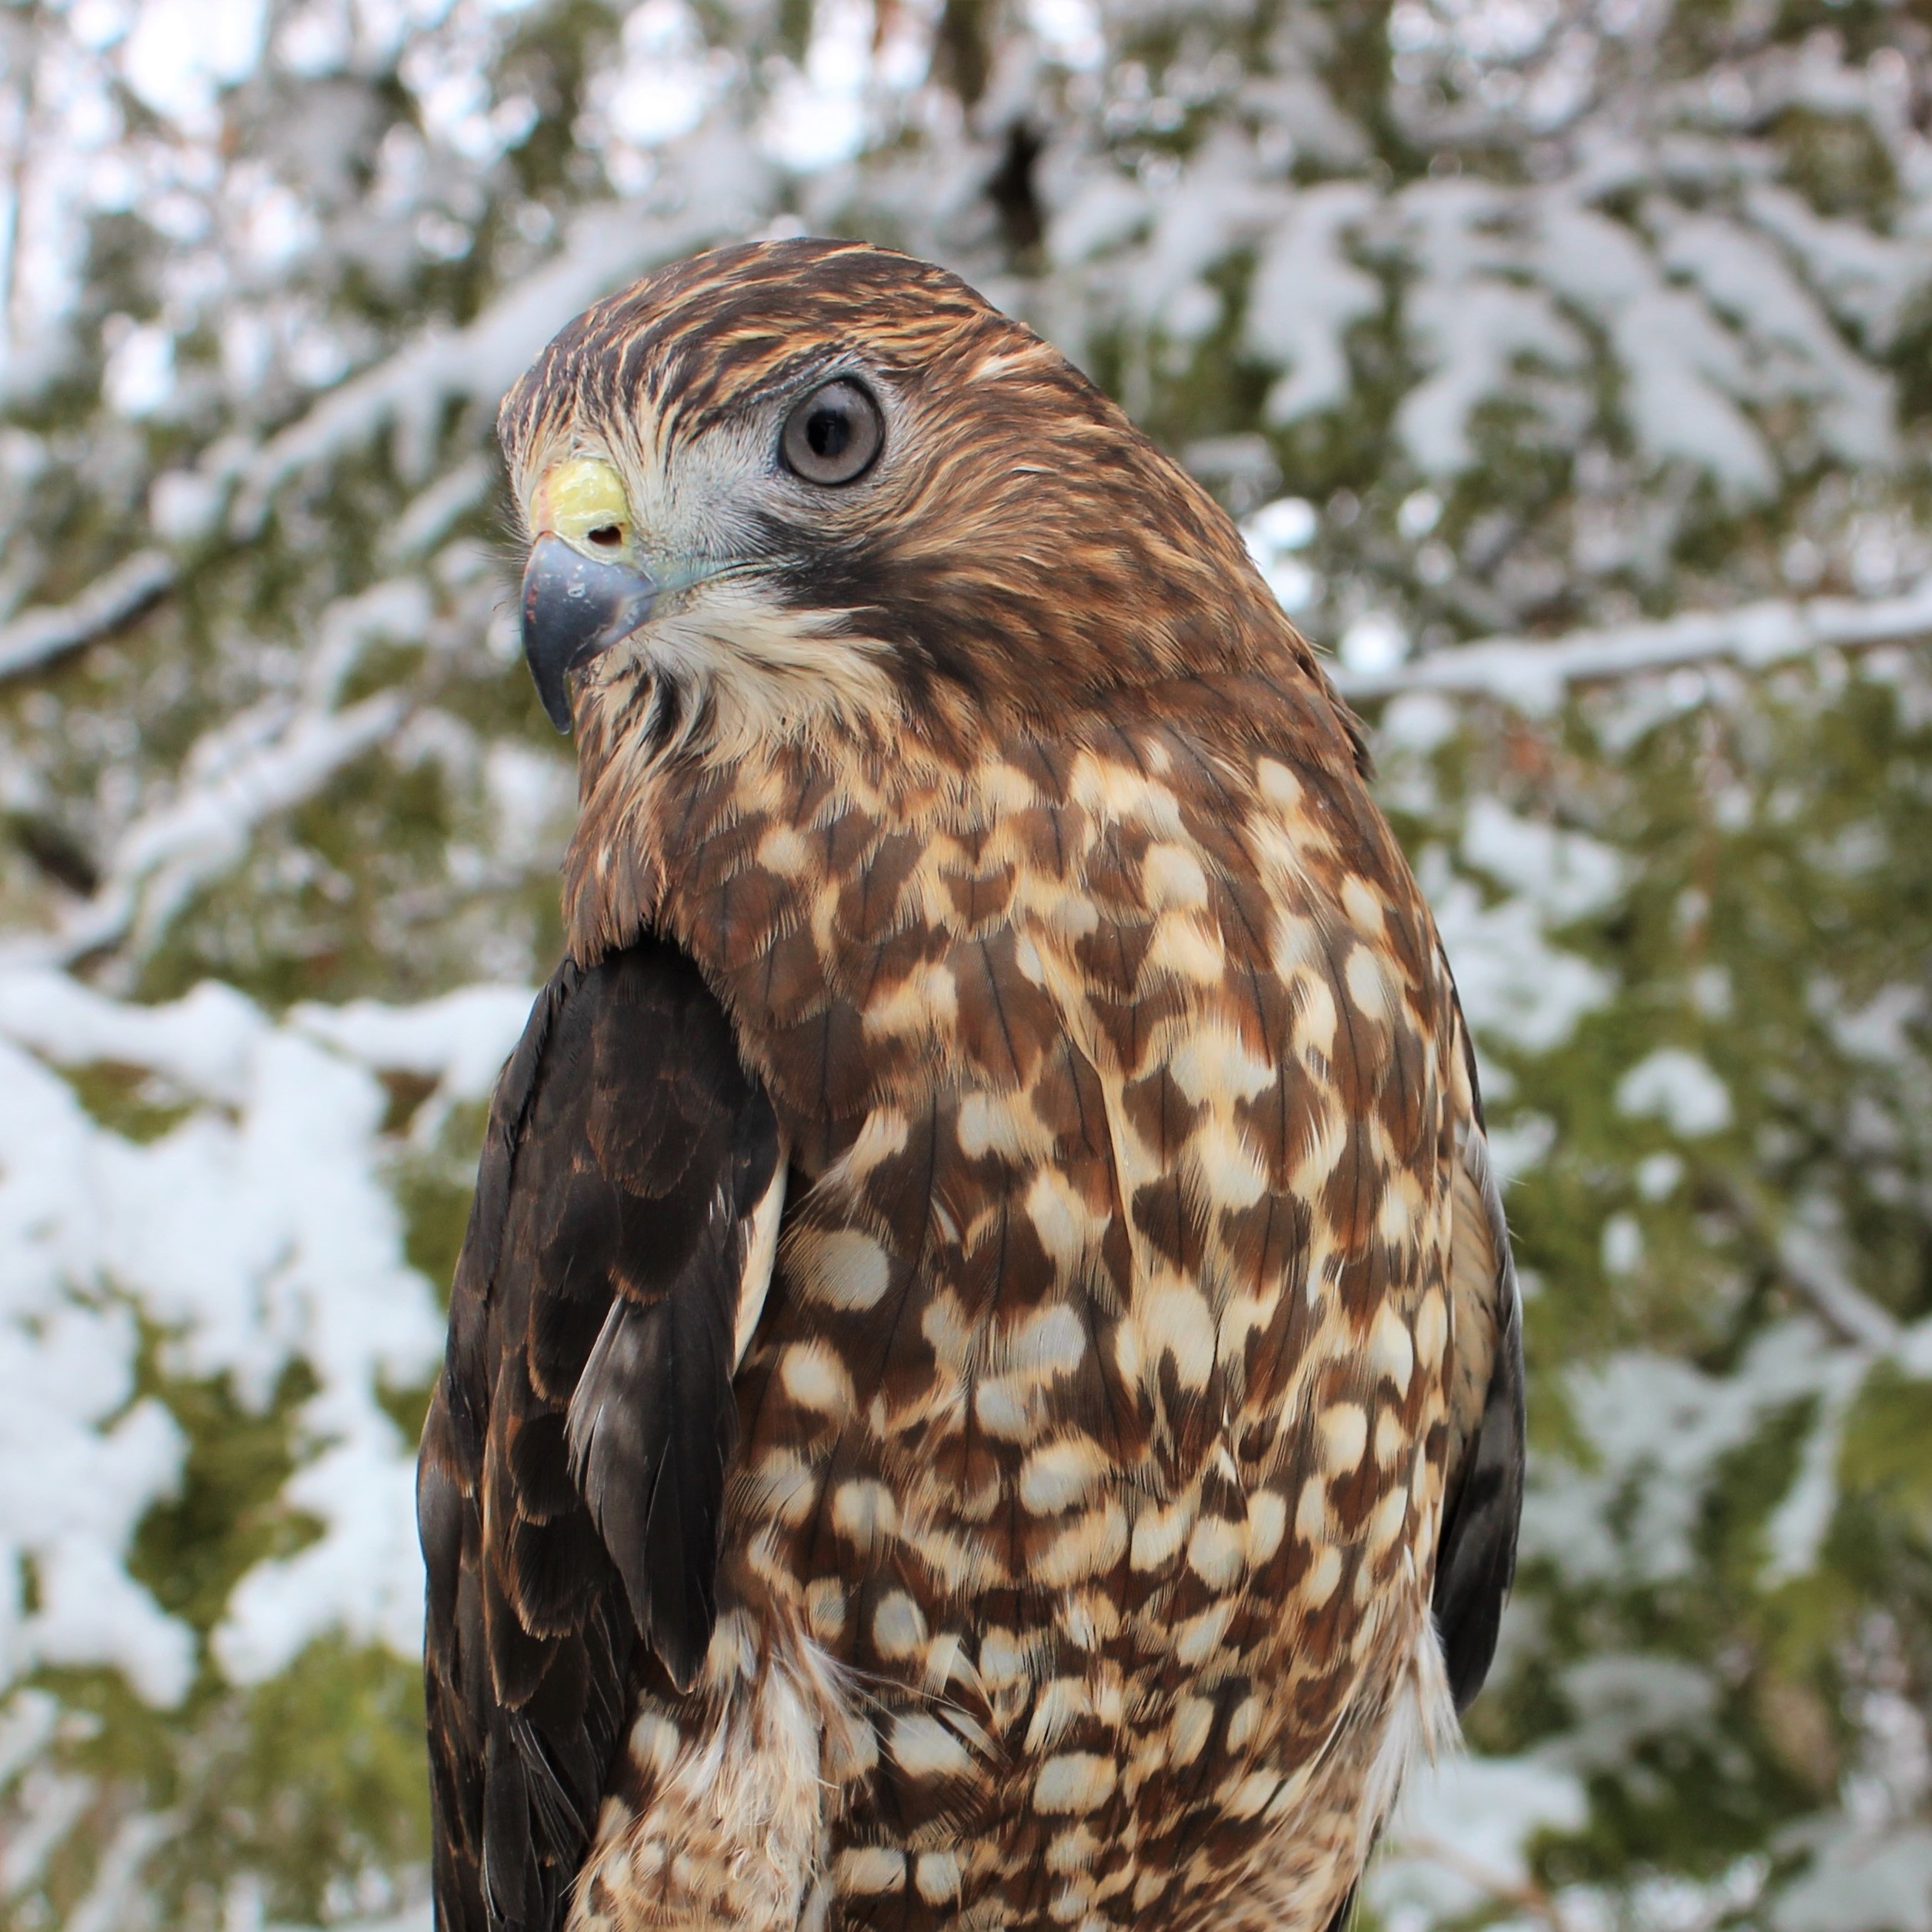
(165, 856)
(1810, 1266)
(1808, 1261)
(1534, 675)
(45, 636)
(438, 365)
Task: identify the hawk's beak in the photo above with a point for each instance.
(575, 608)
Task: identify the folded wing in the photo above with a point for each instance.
(1476, 1562)
(571, 1485)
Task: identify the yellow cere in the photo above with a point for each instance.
(582, 501)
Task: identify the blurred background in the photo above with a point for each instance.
(1569, 368)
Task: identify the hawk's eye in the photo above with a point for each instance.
(833, 435)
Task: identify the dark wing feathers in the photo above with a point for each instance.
(1476, 1560)
(571, 1486)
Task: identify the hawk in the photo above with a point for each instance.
(984, 1384)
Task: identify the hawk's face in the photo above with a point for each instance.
(796, 482)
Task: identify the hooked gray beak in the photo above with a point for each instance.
(575, 609)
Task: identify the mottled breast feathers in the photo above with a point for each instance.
(964, 1173)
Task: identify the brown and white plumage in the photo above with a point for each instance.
(975, 868)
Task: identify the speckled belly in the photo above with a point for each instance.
(1091, 1445)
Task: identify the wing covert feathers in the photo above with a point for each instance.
(571, 1485)
(1476, 1560)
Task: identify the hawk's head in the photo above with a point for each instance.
(782, 484)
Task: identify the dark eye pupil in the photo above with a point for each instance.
(832, 435)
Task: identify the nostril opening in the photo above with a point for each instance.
(607, 536)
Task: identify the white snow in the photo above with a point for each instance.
(461, 1040)
(180, 51)
(1684, 371)
(1288, 523)
(1472, 324)
(248, 768)
(1621, 1699)
(1273, 534)
(1534, 674)
(41, 635)
(416, 1919)
(1307, 294)
(1458, 1837)
(1879, 1882)
(363, 1577)
(818, 114)
(1566, 874)
(1657, 1429)
(1748, 282)
(1516, 987)
(1375, 642)
(662, 88)
(139, 378)
(1656, 1176)
(1622, 1244)
(1679, 1088)
(257, 1229)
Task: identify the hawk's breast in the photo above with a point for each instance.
(1092, 1436)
